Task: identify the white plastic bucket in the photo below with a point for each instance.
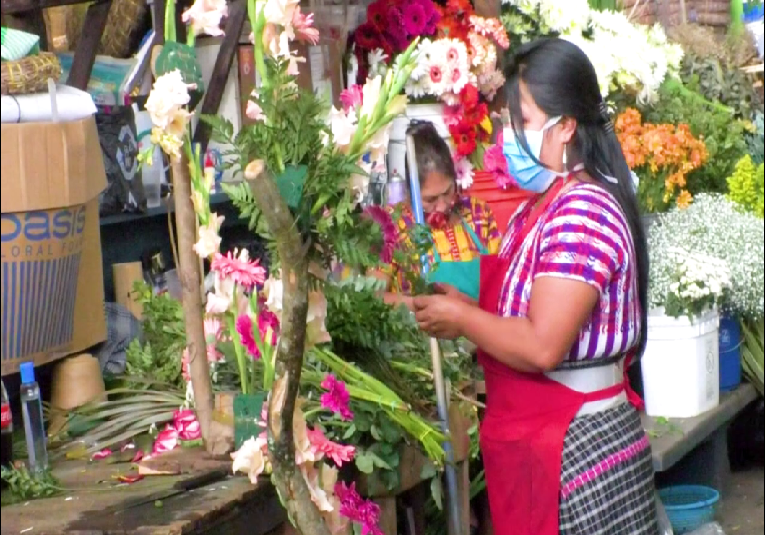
(433, 113)
(681, 365)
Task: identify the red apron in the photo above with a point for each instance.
(526, 421)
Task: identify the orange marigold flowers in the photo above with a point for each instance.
(664, 155)
(684, 199)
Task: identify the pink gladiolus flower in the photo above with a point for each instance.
(337, 399)
(103, 454)
(358, 510)
(268, 323)
(166, 440)
(389, 231)
(245, 272)
(339, 453)
(303, 26)
(245, 329)
(187, 425)
(352, 98)
(494, 162)
(254, 112)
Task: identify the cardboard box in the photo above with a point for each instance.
(52, 274)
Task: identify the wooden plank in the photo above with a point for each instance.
(95, 504)
(673, 441)
(87, 46)
(237, 14)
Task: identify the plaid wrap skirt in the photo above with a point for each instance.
(607, 476)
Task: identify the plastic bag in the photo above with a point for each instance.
(709, 529)
(665, 526)
(119, 145)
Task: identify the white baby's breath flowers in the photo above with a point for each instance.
(713, 227)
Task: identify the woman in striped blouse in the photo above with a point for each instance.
(561, 314)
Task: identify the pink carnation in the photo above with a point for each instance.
(245, 272)
(494, 162)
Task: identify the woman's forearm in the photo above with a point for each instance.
(511, 341)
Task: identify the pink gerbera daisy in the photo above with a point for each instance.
(352, 98)
(415, 19)
(243, 271)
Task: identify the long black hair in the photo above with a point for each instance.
(563, 83)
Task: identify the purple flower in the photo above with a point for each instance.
(337, 399)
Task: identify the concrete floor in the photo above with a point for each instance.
(741, 512)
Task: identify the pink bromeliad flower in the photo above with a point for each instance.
(358, 510)
(339, 453)
(337, 399)
(239, 268)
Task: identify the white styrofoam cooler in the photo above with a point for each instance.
(681, 365)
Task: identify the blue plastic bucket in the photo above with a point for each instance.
(689, 507)
(730, 354)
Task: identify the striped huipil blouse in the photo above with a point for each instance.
(583, 236)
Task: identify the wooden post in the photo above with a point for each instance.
(190, 277)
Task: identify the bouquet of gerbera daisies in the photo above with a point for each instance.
(456, 64)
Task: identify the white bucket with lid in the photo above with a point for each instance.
(681, 365)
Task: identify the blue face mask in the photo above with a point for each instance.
(529, 175)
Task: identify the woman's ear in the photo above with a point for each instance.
(567, 129)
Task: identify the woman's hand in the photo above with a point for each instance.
(450, 291)
(439, 315)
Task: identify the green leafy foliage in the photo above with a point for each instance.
(756, 140)
(718, 81)
(295, 136)
(712, 122)
(753, 352)
(158, 357)
(128, 414)
(24, 485)
(747, 186)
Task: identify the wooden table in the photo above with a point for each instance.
(96, 505)
(695, 450)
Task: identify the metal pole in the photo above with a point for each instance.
(442, 402)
